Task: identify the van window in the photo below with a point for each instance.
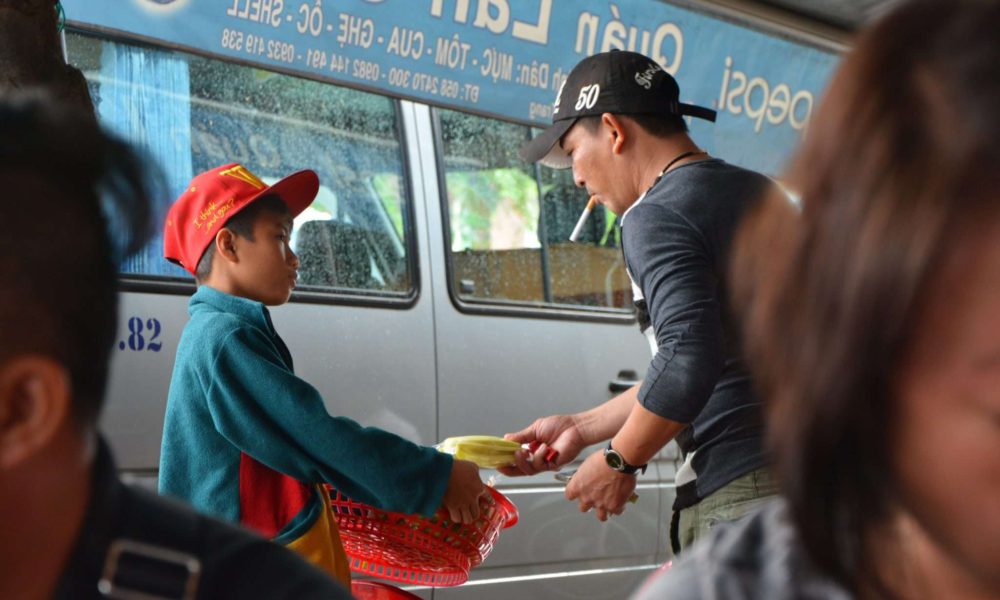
(510, 222)
(193, 113)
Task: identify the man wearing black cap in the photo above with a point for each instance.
(618, 122)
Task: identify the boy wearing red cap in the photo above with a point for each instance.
(244, 438)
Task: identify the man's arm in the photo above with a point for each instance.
(643, 435)
(569, 434)
(602, 422)
(595, 485)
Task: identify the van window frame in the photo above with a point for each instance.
(497, 307)
(138, 283)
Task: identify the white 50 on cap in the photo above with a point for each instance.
(617, 82)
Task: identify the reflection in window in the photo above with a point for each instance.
(193, 113)
(510, 222)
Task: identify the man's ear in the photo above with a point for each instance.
(615, 130)
(35, 399)
(225, 245)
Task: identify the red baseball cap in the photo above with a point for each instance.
(214, 197)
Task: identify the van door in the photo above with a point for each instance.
(527, 325)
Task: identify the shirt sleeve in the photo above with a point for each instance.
(280, 420)
(673, 268)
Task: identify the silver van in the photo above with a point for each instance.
(438, 294)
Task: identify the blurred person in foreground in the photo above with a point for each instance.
(68, 527)
(872, 318)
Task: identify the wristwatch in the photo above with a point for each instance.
(617, 463)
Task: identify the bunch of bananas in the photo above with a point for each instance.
(487, 451)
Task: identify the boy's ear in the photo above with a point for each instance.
(35, 401)
(225, 245)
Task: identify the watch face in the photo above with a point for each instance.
(614, 460)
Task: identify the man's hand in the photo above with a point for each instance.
(461, 498)
(558, 433)
(597, 486)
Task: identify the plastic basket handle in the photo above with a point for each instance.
(510, 511)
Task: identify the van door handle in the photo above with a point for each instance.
(626, 379)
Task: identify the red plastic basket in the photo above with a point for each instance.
(416, 549)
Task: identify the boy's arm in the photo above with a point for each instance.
(280, 420)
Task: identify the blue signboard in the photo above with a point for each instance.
(502, 57)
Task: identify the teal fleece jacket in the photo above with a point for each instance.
(245, 439)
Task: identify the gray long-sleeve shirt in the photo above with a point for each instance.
(676, 241)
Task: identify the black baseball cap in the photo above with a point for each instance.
(617, 82)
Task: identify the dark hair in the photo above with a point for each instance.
(901, 159)
(242, 225)
(66, 185)
(660, 126)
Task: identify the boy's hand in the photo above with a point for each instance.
(464, 489)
